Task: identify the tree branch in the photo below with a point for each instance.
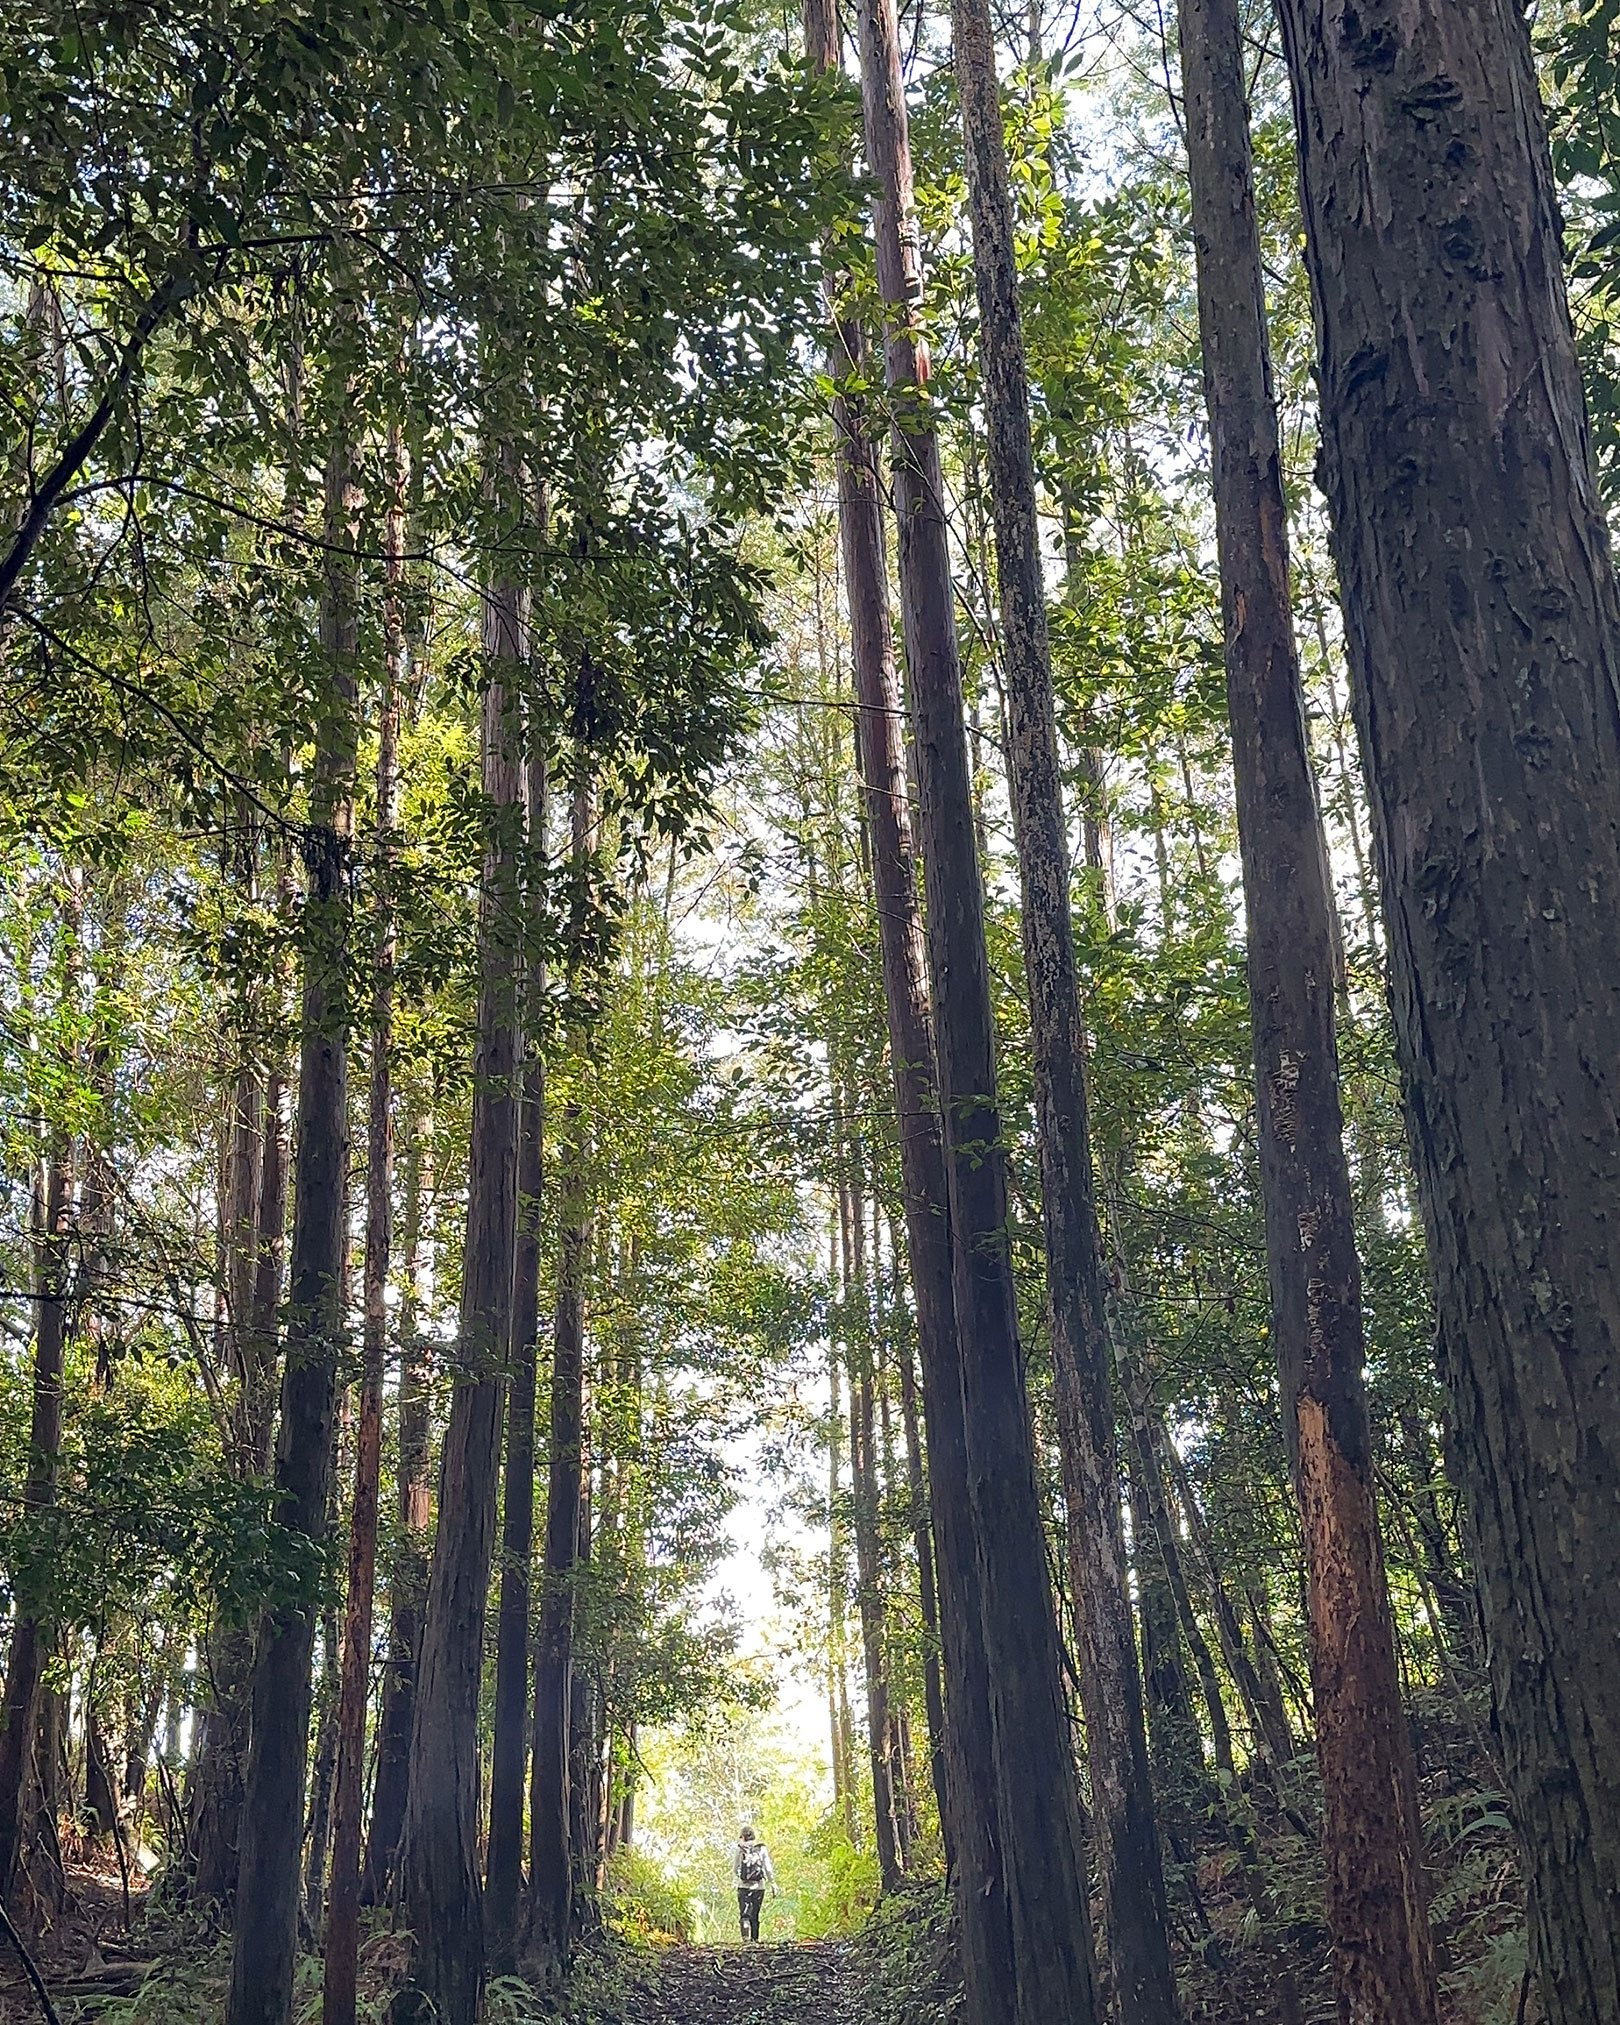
(47, 496)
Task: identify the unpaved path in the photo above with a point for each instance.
(764, 1983)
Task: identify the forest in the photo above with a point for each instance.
(807, 822)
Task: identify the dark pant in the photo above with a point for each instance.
(749, 1900)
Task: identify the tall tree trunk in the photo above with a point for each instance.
(584, 1753)
(964, 1772)
(1377, 1901)
(220, 1762)
(273, 1791)
(1027, 1942)
(443, 1890)
(244, 1160)
(838, 1691)
(30, 1636)
(1483, 625)
(928, 1594)
(1110, 1684)
(868, 1550)
(275, 1170)
(1174, 1742)
(323, 1771)
(413, 1512)
(504, 1861)
(341, 1953)
(551, 1875)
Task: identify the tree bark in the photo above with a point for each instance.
(504, 1861)
(868, 1551)
(413, 1512)
(1110, 1684)
(323, 1771)
(964, 1773)
(1174, 1742)
(1027, 1942)
(30, 1637)
(927, 1588)
(843, 1762)
(551, 1875)
(273, 1792)
(1377, 1900)
(340, 1961)
(443, 1890)
(1483, 626)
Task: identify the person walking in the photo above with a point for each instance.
(752, 1867)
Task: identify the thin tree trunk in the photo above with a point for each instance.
(584, 1752)
(964, 1775)
(868, 1561)
(843, 1760)
(1174, 1742)
(509, 1751)
(552, 1844)
(551, 1873)
(1110, 1685)
(341, 1953)
(30, 1638)
(928, 1595)
(1483, 624)
(215, 1812)
(1377, 1900)
(407, 1582)
(275, 1169)
(323, 1771)
(1029, 1953)
(1144, 1434)
(1267, 1718)
(273, 1791)
(1022, 1894)
(443, 1890)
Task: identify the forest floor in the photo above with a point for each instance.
(765, 1983)
(85, 1948)
(170, 1967)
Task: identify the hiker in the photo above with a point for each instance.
(752, 1864)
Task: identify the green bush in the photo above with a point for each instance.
(907, 1958)
(844, 1895)
(642, 1903)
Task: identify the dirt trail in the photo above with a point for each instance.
(788, 1983)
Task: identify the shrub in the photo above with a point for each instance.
(642, 1903)
(844, 1898)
